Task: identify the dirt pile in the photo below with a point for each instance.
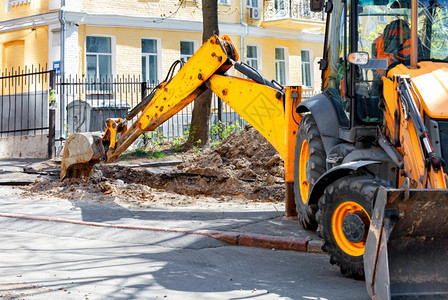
(243, 155)
(127, 195)
(244, 165)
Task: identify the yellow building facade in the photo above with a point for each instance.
(281, 39)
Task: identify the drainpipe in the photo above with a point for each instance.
(246, 29)
(62, 66)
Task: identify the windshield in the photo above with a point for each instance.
(384, 30)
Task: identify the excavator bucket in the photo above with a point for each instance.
(406, 254)
(81, 152)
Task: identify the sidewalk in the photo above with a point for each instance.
(263, 227)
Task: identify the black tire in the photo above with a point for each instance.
(315, 167)
(358, 189)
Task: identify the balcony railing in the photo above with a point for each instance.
(289, 9)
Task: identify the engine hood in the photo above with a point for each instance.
(431, 83)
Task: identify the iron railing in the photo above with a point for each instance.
(24, 101)
(90, 103)
(84, 105)
(290, 9)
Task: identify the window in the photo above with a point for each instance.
(149, 61)
(186, 50)
(224, 2)
(253, 57)
(99, 57)
(252, 3)
(306, 68)
(280, 65)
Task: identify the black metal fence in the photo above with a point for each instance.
(90, 103)
(24, 101)
(84, 105)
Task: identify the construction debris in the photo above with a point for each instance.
(243, 166)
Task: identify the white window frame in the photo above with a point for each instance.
(195, 47)
(258, 58)
(250, 3)
(310, 63)
(286, 61)
(224, 2)
(158, 57)
(112, 54)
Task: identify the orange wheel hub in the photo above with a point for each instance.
(304, 184)
(341, 212)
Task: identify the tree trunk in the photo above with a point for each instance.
(200, 119)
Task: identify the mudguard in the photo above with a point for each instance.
(326, 117)
(335, 173)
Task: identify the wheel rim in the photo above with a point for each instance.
(304, 184)
(345, 208)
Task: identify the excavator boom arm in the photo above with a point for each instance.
(261, 102)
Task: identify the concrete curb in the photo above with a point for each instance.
(262, 241)
(229, 237)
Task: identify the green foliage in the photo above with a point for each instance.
(140, 153)
(192, 132)
(153, 138)
(220, 131)
(150, 141)
(143, 154)
(179, 141)
(124, 156)
(214, 144)
(158, 155)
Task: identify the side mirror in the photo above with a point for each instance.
(359, 58)
(316, 5)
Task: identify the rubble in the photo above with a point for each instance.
(243, 166)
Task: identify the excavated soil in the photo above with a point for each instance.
(244, 166)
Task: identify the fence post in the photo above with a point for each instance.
(51, 115)
(219, 109)
(144, 88)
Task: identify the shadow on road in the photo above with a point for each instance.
(139, 272)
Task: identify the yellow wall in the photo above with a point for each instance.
(189, 10)
(127, 51)
(229, 13)
(151, 8)
(25, 47)
(294, 58)
(128, 46)
(30, 46)
(23, 10)
(13, 55)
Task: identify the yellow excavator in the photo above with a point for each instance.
(364, 160)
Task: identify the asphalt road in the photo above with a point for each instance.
(51, 260)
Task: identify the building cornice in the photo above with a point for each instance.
(108, 20)
(29, 22)
(128, 21)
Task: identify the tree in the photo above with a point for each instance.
(200, 119)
